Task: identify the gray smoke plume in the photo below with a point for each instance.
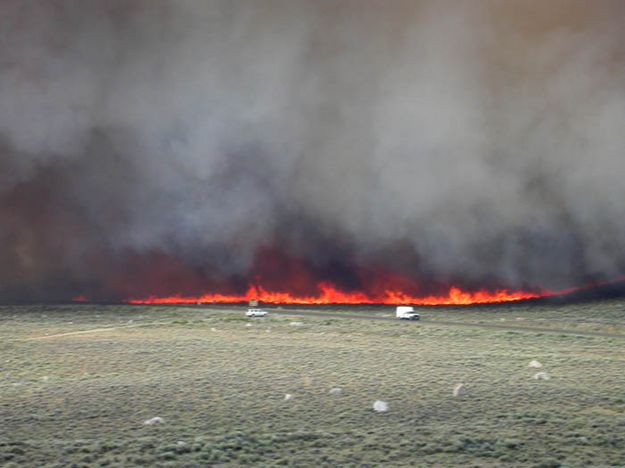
(161, 146)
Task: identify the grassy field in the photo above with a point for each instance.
(78, 382)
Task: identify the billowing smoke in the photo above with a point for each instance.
(181, 146)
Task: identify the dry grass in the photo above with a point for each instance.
(605, 316)
(82, 398)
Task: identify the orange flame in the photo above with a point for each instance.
(329, 294)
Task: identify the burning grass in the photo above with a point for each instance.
(329, 294)
(83, 398)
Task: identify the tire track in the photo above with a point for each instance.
(447, 323)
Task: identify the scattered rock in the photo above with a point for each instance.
(534, 364)
(154, 420)
(542, 376)
(336, 391)
(460, 390)
(380, 406)
(288, 397)
(296, 324)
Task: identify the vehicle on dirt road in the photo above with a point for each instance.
(406, 313)
(256, 313)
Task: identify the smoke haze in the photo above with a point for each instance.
(180, 146)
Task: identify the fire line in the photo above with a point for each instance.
(331, 295)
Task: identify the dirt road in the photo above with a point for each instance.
(446, 323)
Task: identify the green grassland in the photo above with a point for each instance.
(78, 382)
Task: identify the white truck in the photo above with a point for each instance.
(253, 312)
(406, 313)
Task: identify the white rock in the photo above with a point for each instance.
(288, 397)
(296, 324)
(336, 391)
(542, 376)
(154, 420)
(534, 364)
(213, 329)
(460, 390)
(380, 406)
(248, 324)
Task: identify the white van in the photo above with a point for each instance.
(406, 313)
(255, 313)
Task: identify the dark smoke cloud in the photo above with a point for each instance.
(159, 146)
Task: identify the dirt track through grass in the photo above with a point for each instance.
(93, 330)
(430, 322)
(443, 323)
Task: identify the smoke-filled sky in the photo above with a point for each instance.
(181, 146)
